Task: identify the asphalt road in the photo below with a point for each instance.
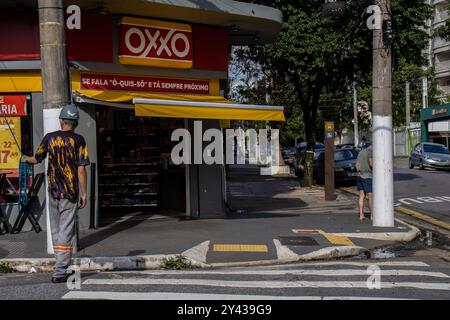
(426, 191)
(425, 276)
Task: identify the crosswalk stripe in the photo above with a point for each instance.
(360, 264)
(266, 284)
(197, 296)
(311, 272)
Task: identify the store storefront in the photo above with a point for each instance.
(435, 124)
(135, 80)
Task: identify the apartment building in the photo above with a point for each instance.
(440, 48)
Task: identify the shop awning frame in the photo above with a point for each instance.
(186, 107)
(80, 99)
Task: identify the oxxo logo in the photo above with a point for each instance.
(155, 43)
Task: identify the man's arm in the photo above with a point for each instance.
(82, 180)
(40, 155)
(30, 160)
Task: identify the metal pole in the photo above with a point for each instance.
(54, 73)
(408, 104)
(383, 181)
(355, 116)
(329, 164)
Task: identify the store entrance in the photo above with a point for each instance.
(136, 176)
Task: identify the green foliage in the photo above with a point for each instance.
(6, 267)
(317, 57)
(176, 263)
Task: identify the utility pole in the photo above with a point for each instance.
(355, 116)
(424, 92)
(408, 104)
(54, 72)
(383, 180)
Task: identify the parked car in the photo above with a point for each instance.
(300, 157)
(345, 146)
(344, 166)
(289, 155)
(430, 155)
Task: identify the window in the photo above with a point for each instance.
(434, 148)
(345, 155)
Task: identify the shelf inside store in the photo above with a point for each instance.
(127, 194)
(128, 174)
(143, 184)
(128, 205)
(126, 164)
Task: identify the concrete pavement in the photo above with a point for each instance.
(282, 223)
(427, 192)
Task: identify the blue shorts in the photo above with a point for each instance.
(364, 185)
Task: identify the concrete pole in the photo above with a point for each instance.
(408, 103)
(355, 116)
(424, 92)
(54, 73)
(383, 181)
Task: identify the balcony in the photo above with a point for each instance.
(443, 66)
(436, 2)
(440, 45)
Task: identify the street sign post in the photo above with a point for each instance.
(330, 194)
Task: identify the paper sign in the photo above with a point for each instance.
(9, 151)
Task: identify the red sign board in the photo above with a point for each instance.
(13, 105)
(105, 82)
(155, 43)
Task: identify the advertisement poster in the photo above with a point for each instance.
(9, 151)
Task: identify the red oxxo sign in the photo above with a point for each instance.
(155, 43)
(13, 105)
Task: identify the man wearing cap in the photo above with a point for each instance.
(364, 165)
(67, 185)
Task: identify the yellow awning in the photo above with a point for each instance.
(188, 106)
(219, 108)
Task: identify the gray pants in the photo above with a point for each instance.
(64, 234)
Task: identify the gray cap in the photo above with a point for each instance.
(70, 112)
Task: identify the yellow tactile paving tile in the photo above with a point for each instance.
(239, 248)
(340, 240)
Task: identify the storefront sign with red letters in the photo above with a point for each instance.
(155, 43)
(13, 105)
(105, 82)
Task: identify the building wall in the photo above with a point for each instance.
(440, 49)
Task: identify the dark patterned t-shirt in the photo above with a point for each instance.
(66, 152)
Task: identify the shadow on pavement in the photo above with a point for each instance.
(405, 176)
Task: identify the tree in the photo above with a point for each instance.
(315, 54)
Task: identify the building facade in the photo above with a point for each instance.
(439, 58)
(139, 69)
(441, 48)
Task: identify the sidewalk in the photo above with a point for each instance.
(281, 223)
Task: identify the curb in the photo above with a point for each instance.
(387, 236)
(197, 255)
(153, 262)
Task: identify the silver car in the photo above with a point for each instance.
(430, 155)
